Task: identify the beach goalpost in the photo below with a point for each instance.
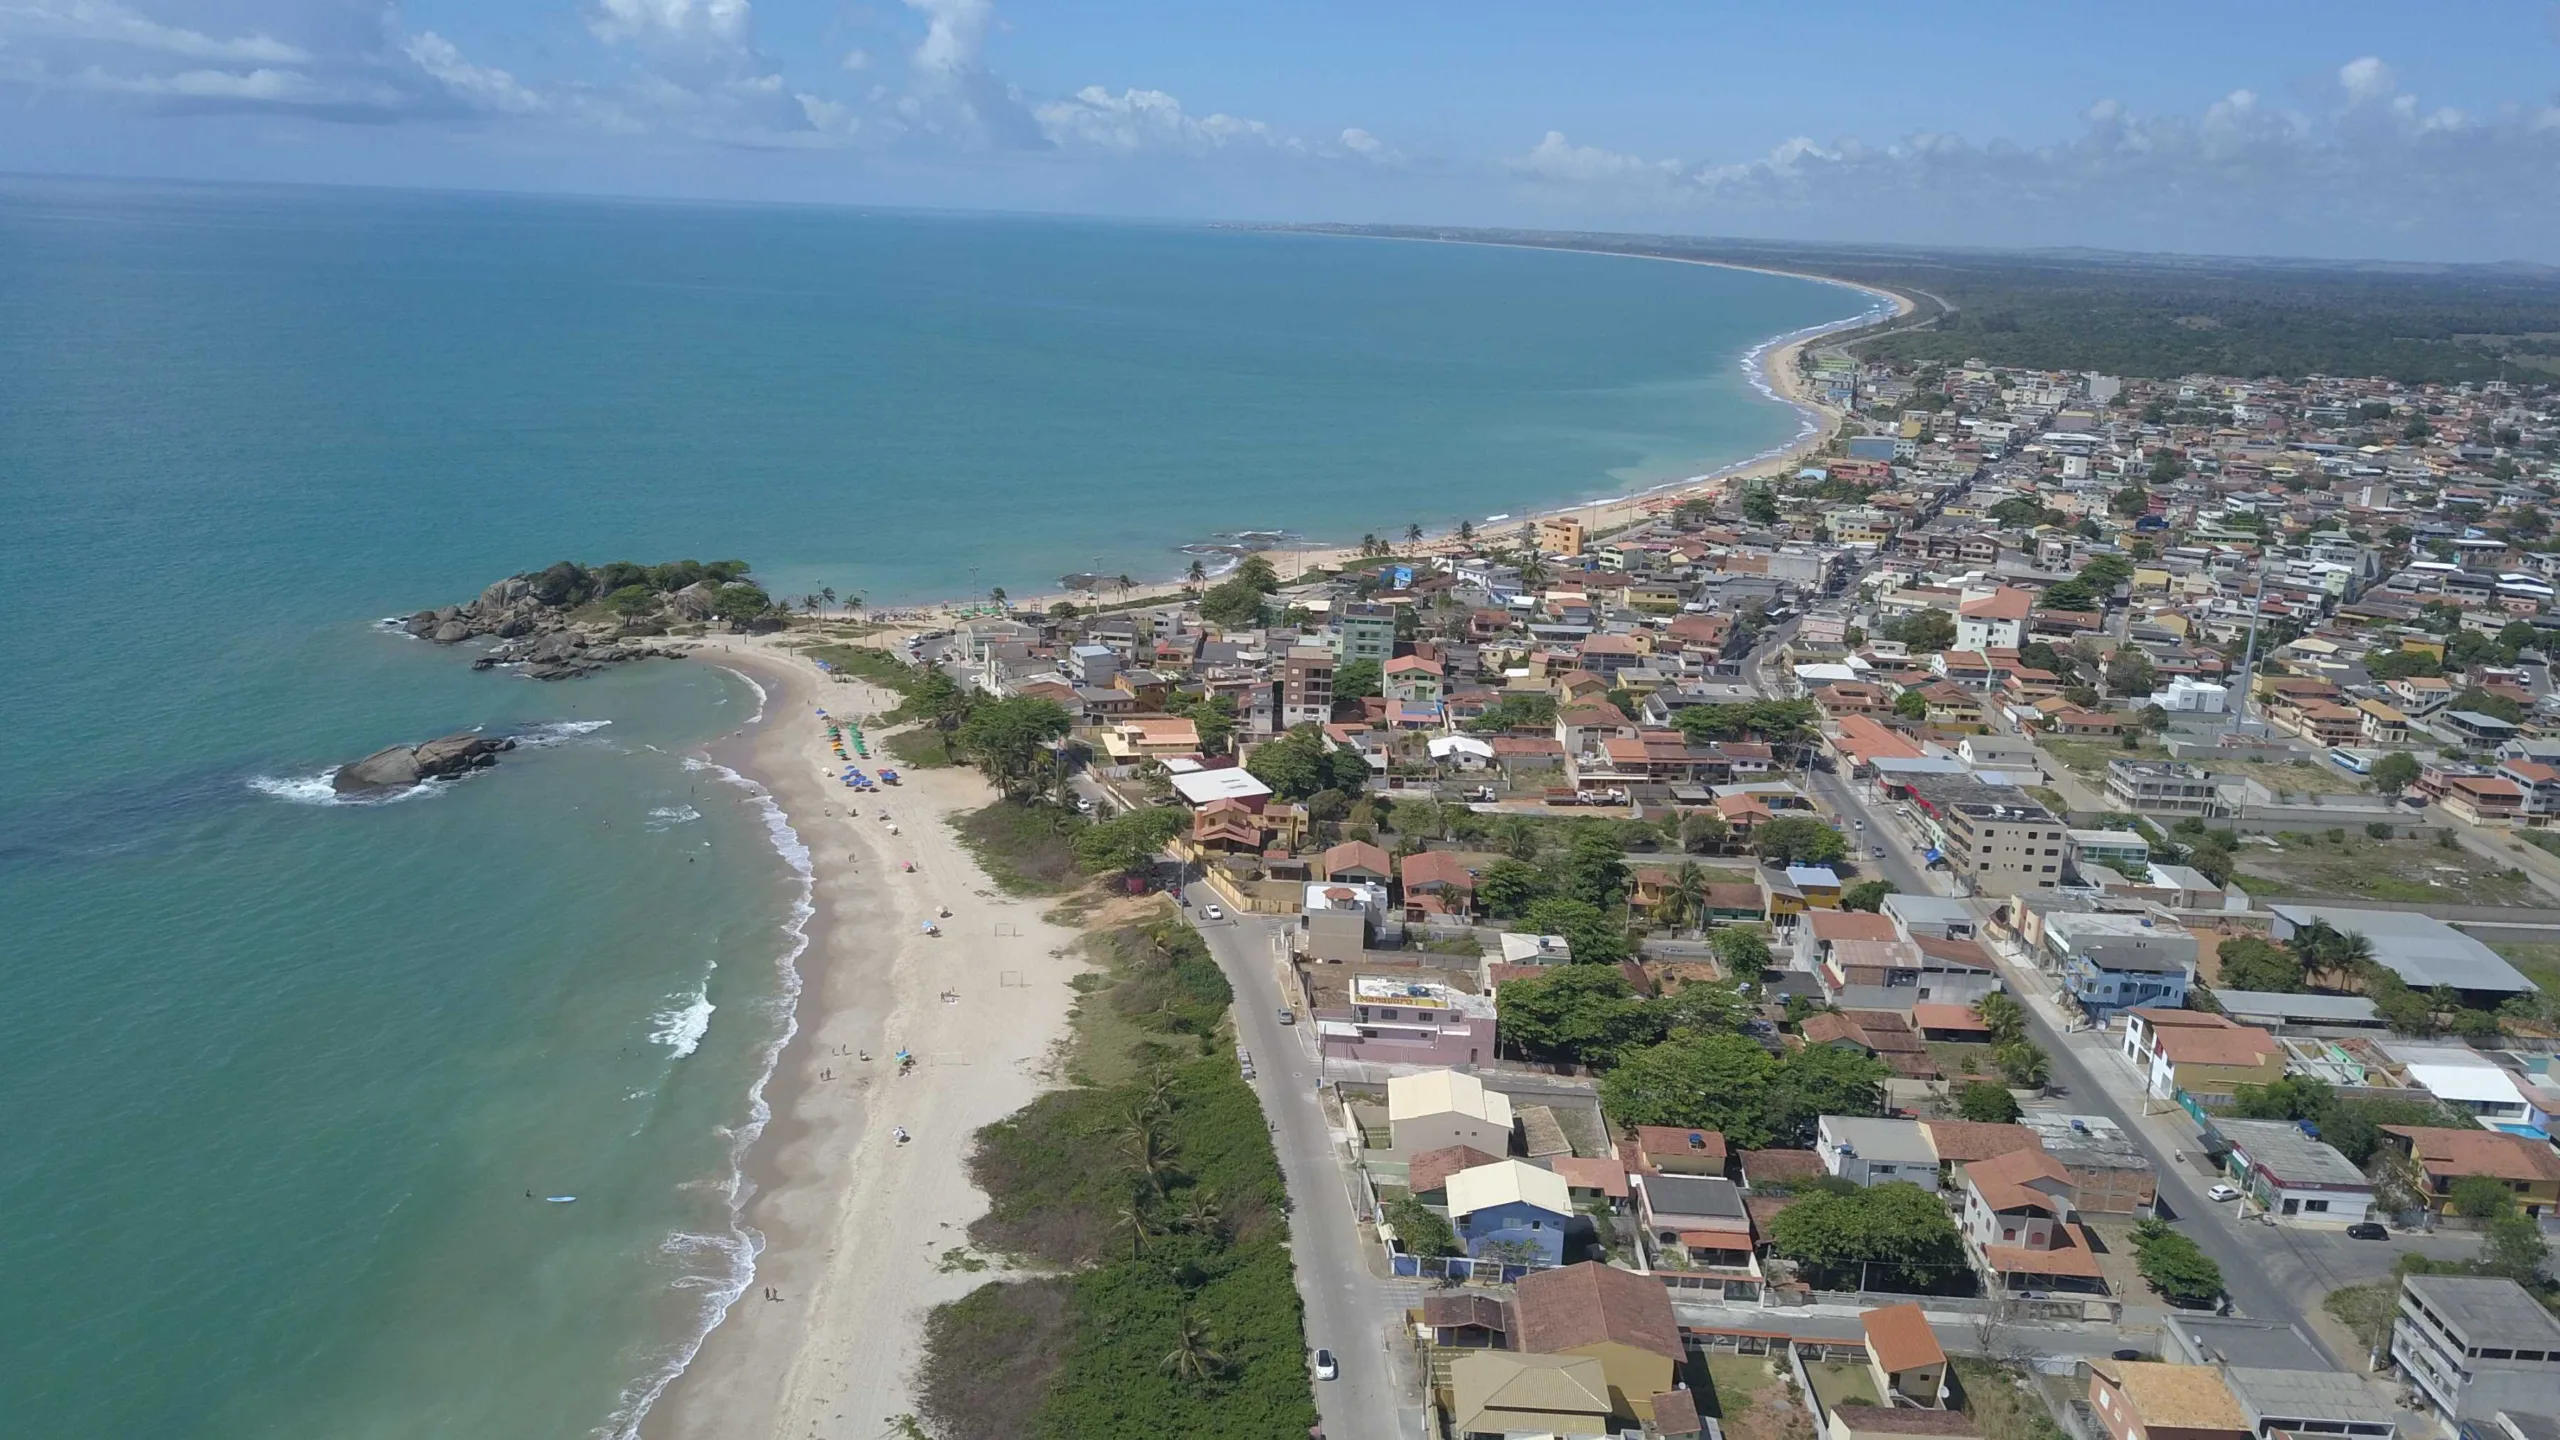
(1011, 980)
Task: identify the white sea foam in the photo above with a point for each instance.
(318, 790)
(680, 1026)
(761, 696)
(557, 732)
(721, 1267)
(667, 817)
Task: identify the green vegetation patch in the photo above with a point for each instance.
(2347, 864)
(1160, 1192)
(921, 749)
(2001, 1404)
(1025, 849)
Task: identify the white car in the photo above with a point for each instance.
(1325, 1368)
(2222, 1192)
(1212, 912)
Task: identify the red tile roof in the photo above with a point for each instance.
(1588, 1303)
(1901, 1338)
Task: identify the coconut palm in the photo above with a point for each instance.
(1689, 894)
(1150, 1150)
(827, 593)
(1191, 1357)
(1412, 536)
(1198, 573)
(2002, 1016)
(1200, 1213)
(1135, 1222)
(1466, 532)
(997, 595)
(1125, 583)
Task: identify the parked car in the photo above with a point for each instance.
(2127, 1354)
(1288, 1016)
(1212, 912)
(2368, 1230)
(1325, 1368)
(2222, 1192)
(1875, 852)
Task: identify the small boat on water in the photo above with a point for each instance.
(560, 1199)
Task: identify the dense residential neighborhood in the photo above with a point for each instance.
(2068, 874)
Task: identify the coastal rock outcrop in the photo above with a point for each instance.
(400, 766)
(572, 620)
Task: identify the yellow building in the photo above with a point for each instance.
(1561, 535)
(1616, 1317)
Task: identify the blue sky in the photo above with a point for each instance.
(2402, 131)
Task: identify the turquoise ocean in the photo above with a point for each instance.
(283, 1072)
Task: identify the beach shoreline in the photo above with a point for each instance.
(1771, 366)
(849, 1226)
(846, 1227)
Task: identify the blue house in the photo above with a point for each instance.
(1511, 1200)
(2111, 962)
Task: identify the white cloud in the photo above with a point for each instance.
(2365, 79)
(857, 60)
(102, 22)
(681, 23)
(479, 86)
(1148, 120)
(954, 29)
(2360, 176)
(1556, 158)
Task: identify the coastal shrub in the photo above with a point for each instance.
(1026, 849)
(989, 1356)
(921, 749)
(1165, 1196)
(1127, 842)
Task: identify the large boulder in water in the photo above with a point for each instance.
(455, 754)
(393, 769)
(402, 766)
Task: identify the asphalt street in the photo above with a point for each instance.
(1349, 1310)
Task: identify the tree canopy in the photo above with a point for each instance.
(1299, 764)
(1894, 1236)
(1799, 840)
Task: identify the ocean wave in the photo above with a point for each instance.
(761, 696)
(557, 732)
(723, 1266)
(320, 790)
(667, 817)
(680, 1026)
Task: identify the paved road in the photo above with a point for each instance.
(1349, 1310)
(2270, 1272)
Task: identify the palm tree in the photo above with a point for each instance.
(1466, 532)
(1689, 890)
(2349, 954)
(1412, 536)
(2003, 1016)
(827, 593)
(1520, 838)
(1191, 1357)
(1135, 1222)
(997, 595)
(1125, 583)
(1369, 545)
(1150, 1153)
(1198, 572)
(1200, 1212)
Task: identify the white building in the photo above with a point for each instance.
(2189, 696)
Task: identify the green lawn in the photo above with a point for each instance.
(1735, 1379)
(1838, 1382)
(1951, 1056)
(2538, 960)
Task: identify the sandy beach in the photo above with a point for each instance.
(1777, 373)
(855, 1225)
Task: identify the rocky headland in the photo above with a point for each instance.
(571, 620)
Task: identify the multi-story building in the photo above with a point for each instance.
(2474, 1345)
(1306, 686)
(2157, 787)
(1994, 838)
(2189, 1051)
(1362, 632)
(2111, 961)
(1414, 1022)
